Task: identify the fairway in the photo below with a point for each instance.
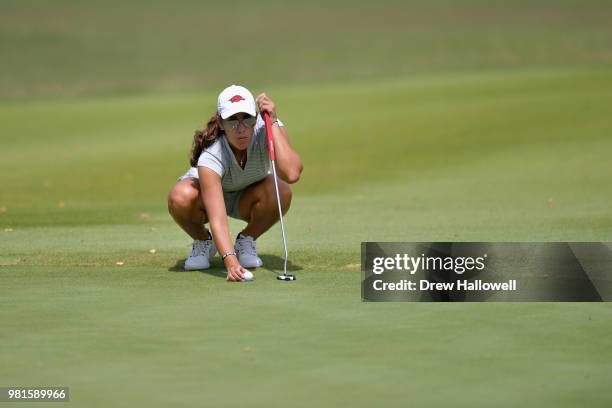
(482, 147)
(159, 336)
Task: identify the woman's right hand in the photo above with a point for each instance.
(234, 271)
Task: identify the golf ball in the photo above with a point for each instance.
(247, 276)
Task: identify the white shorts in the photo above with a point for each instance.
(231, 198)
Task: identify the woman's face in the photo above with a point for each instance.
(239, 130)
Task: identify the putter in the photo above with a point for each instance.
(266, 116)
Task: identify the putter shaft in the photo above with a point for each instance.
(272, 154)
(280, 212)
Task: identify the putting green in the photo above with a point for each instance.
(498, 156)
(416, 120)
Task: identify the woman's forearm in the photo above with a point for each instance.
(289, 164)
(221, 236)
(212, 197)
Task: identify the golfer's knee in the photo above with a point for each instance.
(284, 192)
(181, 199)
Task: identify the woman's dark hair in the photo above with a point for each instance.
(204, 138)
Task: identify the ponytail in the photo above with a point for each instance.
(204, 138)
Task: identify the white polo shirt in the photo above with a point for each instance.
(220, 158)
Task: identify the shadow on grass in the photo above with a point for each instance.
(272, 263)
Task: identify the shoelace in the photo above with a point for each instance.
(247, 245)
(201, 247)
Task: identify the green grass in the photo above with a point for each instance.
(457, 158)
(82, 47)
(145, 336)
(479, 121)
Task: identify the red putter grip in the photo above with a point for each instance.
(266, 117)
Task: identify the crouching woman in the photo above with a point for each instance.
(229, 176)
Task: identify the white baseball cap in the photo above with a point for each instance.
(234, 99)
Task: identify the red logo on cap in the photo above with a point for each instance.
(236, 98)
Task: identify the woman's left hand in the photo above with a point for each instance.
(265, 104)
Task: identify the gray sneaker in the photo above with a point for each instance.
(201, 253)
(247, 252)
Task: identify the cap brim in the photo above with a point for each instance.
(238, 108)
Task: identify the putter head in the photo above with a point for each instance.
(286, 277)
